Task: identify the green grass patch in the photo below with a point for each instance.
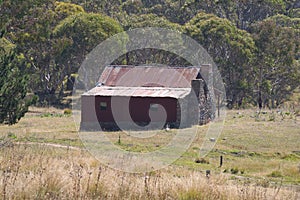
(275, 174)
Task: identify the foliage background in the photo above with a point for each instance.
(254, 43)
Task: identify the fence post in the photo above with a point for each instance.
(221, 161)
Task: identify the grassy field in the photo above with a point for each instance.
(261, 153)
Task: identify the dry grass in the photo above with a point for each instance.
(41, 172)
(44, 125)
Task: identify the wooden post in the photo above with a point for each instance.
(119, 140)
(218, 105)
(221, 161)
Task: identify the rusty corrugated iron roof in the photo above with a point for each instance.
(138, 91)
(148, 76)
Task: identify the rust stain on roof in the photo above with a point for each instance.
(145, 81)
(148, 76)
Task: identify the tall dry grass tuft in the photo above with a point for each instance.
(41, 172)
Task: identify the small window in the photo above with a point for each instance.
(103, 106)
(153, 107)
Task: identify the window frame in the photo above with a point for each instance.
(103, 106)
(154, 107)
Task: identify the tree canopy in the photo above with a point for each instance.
(232, 49)
(277, 71)
(13, 84)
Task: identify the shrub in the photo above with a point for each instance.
(234, 170)
(67, 111)
(202, 161)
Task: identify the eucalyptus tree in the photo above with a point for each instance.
(232, 50)
(278, 70)
(54, 37)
